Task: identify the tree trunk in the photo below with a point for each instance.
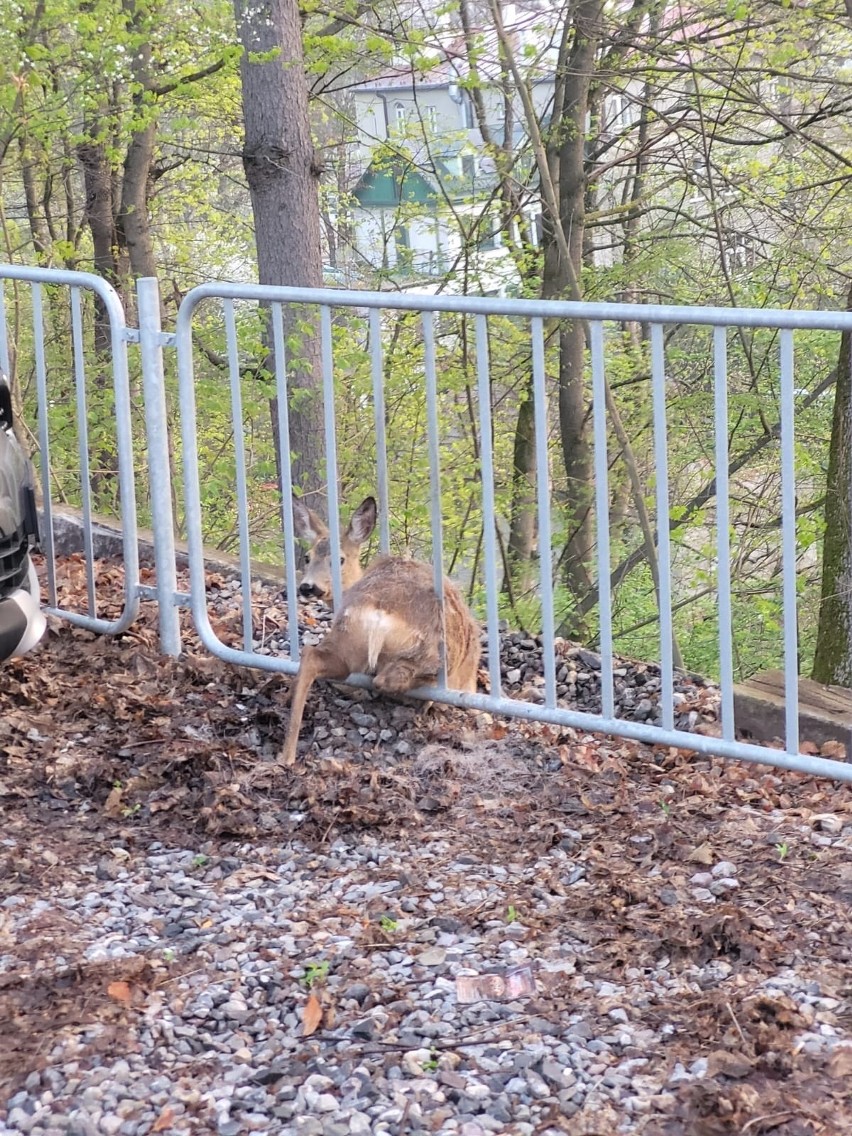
(833, 659)
(133, 223)
(35, 214)
(567, 153)
(100, 217)
(283, 179)
(522, 526)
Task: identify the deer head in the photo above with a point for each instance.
(316, 579)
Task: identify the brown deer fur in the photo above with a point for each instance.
(388, 625)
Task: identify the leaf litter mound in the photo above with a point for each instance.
(104, 742)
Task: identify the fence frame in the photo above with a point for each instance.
(120, 336)
(594, 315)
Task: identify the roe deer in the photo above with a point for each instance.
(388, 624)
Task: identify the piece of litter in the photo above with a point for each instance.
(502, 986)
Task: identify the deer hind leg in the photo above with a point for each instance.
(322, 661)
(466, 673)
(402, 673)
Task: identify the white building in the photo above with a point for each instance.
(424, 204)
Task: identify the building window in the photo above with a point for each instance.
(431, 119)
(489, 235)
(617, 112)
(467, 111)
(468, 167)
(399, 115)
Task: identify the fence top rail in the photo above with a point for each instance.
(793, 318)
(796, 319)
(71, 279)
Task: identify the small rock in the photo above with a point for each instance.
(325, 1102)
(358, 991)
(702, 879)
(724, 868)
(434, 956)
(414, 1061)
(703, 895)
(827, 822)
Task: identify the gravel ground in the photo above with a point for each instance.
(258, 989)
(686, 920)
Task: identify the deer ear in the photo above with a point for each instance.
(363, 521)
(306, 523)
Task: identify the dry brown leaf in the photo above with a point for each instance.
(112, 805)
(158, 804)
(735, 1065)
(311, 1015)
(164, 1120)
(840, 1064)
(703, 854)
(121, 992)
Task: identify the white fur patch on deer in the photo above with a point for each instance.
(389, 624)
(381, 631)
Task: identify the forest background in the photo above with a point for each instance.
(219, 140)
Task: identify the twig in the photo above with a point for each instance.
(737, 1024)
(766, 1116)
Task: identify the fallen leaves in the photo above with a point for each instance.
(120, 992)
(734, 1065)
(703, 854)
(311, 1015)
(164, 1121)
(601, 836)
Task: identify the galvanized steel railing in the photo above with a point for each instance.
(595, 316)
(76, 284)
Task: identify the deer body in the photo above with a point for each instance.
(388, 624)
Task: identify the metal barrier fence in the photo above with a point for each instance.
(223, 306)
(30, 339)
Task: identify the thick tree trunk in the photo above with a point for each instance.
(133, 222)
(283, 178)
(100, 217)
(567, 154)
(833, 659)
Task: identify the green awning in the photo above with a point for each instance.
(384, 185)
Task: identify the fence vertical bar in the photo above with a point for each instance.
(788, 542)
(434, 444)
(486, 459)
(661, 460)
(240, 463)
(159, 461)
(545, 539)
(379, 412)
(723, 531)
(601, 457)
(283, 411)
(124, 438)
(83, 445)
(327, 347)
(44, 441)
